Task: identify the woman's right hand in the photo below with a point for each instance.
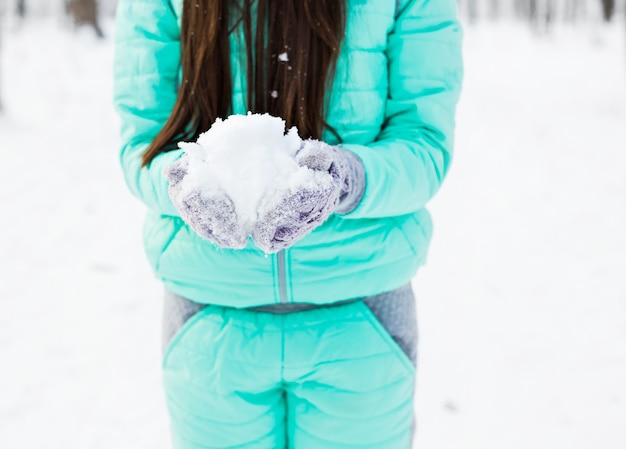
(211, 215)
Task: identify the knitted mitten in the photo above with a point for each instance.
(211, 215)
(302, 210)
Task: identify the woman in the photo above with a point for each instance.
(303, 336)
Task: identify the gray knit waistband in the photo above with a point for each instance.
(395, 310)
(296, 306)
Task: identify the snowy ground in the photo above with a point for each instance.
(522, 306)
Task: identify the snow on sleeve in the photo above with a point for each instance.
(252, 160)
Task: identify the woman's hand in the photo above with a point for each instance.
(297, 214)
(212, 216)
(302, 210)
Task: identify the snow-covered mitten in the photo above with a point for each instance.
(212, 216)
(297, 214)
(302, 210)
(344, 166)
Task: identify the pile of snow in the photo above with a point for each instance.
(252, 160)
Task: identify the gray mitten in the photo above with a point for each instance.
(344, 166)
(301, 211)
(297, 214)
(211, 216)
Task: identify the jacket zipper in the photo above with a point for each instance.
(282, 277)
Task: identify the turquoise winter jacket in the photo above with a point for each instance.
(393, 103)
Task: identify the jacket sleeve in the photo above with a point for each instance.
(146, 67)
(406, 164)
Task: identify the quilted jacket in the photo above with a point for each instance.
(393, 102)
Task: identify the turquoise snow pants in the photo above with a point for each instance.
(325, 378)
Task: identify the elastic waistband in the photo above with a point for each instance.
(297, 306)
(301, 306)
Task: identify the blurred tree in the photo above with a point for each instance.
(85, 12)
(546, 13)
(1, 17)
(573, 10)
(608, 8)
(472, 10)
(21, 8)
(494, 9)
(532, 10)
(519, 8)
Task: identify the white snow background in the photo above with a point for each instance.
(522, 307)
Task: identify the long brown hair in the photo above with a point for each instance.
(291, 54)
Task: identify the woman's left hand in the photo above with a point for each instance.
(301, 211)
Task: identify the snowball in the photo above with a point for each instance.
(252, 160)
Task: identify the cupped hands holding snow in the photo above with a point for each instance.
(251, 160)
